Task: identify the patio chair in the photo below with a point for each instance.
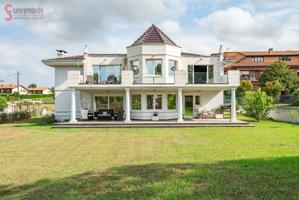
(84, 114)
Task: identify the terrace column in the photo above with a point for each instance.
(233, 115)
(128, 118)
(180, 105)
(73, 106)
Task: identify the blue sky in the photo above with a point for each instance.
(198, 26)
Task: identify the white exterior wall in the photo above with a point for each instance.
(21, 90)
(210, 96)
(65, 77)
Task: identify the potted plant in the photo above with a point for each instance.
(155, 117)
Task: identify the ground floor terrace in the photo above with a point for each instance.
(144, 103)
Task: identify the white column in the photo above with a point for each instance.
(233, 115)
(180, 105)
(73, 106)
(128, 107)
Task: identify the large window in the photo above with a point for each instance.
(172, 66)
(102, 102)
(158, 102)
(154, 66)
(135, 67)
(171, 101)
(136, 102)
(149, 102)
(107, 74)
(199, 74)
(154, 102)
(109, 102)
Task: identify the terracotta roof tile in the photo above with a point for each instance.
(38, 88)
(10, 86)
(154, 35)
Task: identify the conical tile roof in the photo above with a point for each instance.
(154, 35)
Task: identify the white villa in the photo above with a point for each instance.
(153, 80)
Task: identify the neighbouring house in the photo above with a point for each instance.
(10, 89)
(153, 80)
(252, 63)
(40, 90)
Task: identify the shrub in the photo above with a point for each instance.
(12, 117)
(273, 89)
(3, 103)
(244, 87)
(257, 104)
(295, 97)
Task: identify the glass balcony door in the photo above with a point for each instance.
(199, 74)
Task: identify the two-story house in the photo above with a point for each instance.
(252, 63)
(154, 77)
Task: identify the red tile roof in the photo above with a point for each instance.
(10, 86)
(39, 88)
(154, 35)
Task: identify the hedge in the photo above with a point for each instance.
(13, 117)
(12, 97)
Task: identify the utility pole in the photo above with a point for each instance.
(18, 80)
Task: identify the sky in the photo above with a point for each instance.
(109, 26)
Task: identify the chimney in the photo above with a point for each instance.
(221, 48)
(61, 53)
(270, 51)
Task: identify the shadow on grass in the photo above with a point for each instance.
(240, 179)
(43, 121)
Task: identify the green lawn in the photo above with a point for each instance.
(40, 162)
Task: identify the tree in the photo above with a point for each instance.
(244, 87)
(257, 104)
(280, 71)
(273, 89)
(32, 85)
(295, 97)
(3, 103)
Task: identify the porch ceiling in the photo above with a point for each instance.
(151, 87)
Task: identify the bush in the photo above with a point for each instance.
(244, 87)
(295, 97)
(12, 117)
(3, 104)
(273, 89)
(37, 96)
(257, 104)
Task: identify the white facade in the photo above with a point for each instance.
(146, 85)
(13, 89)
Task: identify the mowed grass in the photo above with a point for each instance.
(40, 162)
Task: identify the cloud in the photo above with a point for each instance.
(25, 59)
(244, 29)
(82, 20)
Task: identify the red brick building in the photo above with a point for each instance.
(252, 63)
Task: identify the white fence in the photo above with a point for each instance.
(285, 114)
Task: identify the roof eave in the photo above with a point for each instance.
(56, 63)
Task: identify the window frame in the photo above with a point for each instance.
(154, 102)
(131, 66)
(169, 68)
(140, 101)
(175, 105)
(154, 66)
